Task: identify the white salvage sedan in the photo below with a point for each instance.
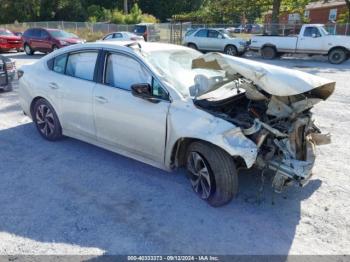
(171, 106)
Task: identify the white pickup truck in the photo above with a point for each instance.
(313, 40)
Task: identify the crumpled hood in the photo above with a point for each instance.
(275, 80)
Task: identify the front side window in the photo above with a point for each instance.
(310, 31)
(213, 34)
(118, 35)
(82, 65)
(202, 33)
(108, 37)
(123, 71)
(43, 34)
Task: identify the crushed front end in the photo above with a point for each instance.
(277, 120)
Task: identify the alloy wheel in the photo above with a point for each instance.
(231, 51)
(199, 175)
(45, 120)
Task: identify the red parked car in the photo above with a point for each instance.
(47, 40)
(9, 40)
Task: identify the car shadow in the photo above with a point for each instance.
(74, 193)
(24, 56)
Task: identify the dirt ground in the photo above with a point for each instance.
(70, 197)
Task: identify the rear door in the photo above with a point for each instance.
(127, 122)
(200, 39)
(73, 84)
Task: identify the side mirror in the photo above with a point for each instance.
(143, 91)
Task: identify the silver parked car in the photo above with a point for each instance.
(214, 40)
(122, 36)
(170, 106)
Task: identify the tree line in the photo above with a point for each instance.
(133, 11)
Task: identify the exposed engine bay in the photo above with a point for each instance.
(281, 126)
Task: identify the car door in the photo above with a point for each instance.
(310, 41)
(34, 40)
(215, 40)
(73, 84)
(127, 122)
(200, 39)
(45, 40)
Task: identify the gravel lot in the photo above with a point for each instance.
(70, 197)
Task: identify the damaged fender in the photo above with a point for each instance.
(186, 122)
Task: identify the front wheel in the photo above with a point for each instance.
(46, 120)
(28, 50)
(212, 173)
(231, 50)
(337, 56)
(193, 46)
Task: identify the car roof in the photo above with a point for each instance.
(146, 46)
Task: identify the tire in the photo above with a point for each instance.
(193, 46)
(28, 49)
(231, 50)
(46, 120)
(54, 48)
(268, 52)
(337, 56)
(217, 183)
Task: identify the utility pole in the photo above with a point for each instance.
(125, 6)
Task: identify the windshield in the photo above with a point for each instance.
(176, 67)
(6, 32)
(60, 34)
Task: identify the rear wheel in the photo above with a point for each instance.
(46, 120)
(337, 56)
(28, 49)
(212, 173)
(193, 46)
(231, 50)
(268, 52)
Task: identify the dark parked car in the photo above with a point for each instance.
(47, 40)
(148, 31)
(7, 73)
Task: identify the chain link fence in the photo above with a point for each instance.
(171, 32)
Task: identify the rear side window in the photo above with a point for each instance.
(118, 35)
(59, 64)
(202, 33)
(82, 65)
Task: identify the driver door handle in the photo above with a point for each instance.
(101, 99)
(53, 85)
